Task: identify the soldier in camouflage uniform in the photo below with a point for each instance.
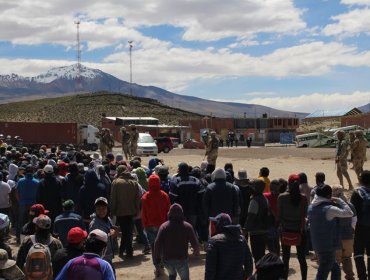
(109, 140)
(102, 145)
(341, 159)
(212, 148)
(8, 268)
(358, 148)
(134, 137)
(125, 142)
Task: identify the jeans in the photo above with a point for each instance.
(141, 232)
(327, 264)
(273, 242)
(344, 256)
(362, 243)
(300, 255)
(258, 245)
(177, 266)
(152, 232)
(126, 224)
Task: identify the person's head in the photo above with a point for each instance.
(275, 187)
(293, 188)
(76, 237)
(352, 135)
(96, 242)
(5, 263)
(68, 205)
(183, 169)
(229, 166)
(303, 178)
(220, 221)
(324, 191)
(341, 134)
(359, 134)
(218, 174)
(4, 225)
(132, 127)
(101, 207)
(365, 178)
(163, 172)
(258, 186)
(213, 134)
(283, 185)
(264, 172)
(43, 226)
(48, 170)
(175, 213)
(73, 168)
(320, 178)
(338, 191)
(210, 168)
(37, 210)
(270, 267)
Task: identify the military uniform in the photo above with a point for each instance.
(102, 145)
(125, 143)
(134, 138)
(108, 143)
(341, 161)
(212, 149)
(358, 150)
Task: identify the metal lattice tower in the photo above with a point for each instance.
(78, 56)
(130, 45)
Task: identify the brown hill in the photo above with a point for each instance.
(88, 109)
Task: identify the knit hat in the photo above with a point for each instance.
(154, 182)
(76, 235)
(110, 156)
(219, 173)
(99, 235)
(42, 221)
(119, 157)
(183, 168)
(163, 169)
(68, 204)
(121, 169)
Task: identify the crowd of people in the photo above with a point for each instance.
(72, 212)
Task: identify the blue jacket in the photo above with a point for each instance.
(221, 197)
(27, 190)
(64, 222)
(228, 256)
(185, 190)
(325, 234)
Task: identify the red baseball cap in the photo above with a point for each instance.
(76, 235)
(293, 177)
(38, 209)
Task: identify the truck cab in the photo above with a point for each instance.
(88, 139)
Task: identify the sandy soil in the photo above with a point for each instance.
(281, 161)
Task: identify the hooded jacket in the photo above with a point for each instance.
(71, 185)
(13, 171)
(228, 255)
(125, 194)
(49, 194)
(155, 204)
(174, 236)
(89, 192)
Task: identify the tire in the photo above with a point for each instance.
(304, 146)
(166, 150)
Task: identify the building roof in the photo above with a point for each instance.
(334, 113)
(132, 118)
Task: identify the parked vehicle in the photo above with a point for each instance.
(146, 145)
(35, 134)
(175, 142)
(193, 144)
(164, 144)
(313, 140)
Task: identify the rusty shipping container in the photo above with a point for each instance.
(39, 133)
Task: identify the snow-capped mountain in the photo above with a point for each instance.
(62, 80)
(67, 72)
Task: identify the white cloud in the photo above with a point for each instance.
(105, 23)
(312, 102)
(349, 24)
(356, 2)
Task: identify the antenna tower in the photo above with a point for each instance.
(78, 56)
(130, 45)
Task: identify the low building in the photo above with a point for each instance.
(362, 120)
(331, 115)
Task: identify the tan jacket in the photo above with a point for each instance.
(125, 196)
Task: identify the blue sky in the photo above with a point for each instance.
(292, 55)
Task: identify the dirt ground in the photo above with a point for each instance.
(281, 161)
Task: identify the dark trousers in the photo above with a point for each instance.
(126, 224)
(301, 255)
(258, 246)
(362, 243)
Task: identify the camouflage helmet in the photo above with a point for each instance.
(340, 133)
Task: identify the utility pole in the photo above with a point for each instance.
(78, 56)
(130, 46)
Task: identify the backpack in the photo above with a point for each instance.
(364, 218)
(38, 263)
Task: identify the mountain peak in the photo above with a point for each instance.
(67, 72)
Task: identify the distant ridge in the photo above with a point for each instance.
(62, 80)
